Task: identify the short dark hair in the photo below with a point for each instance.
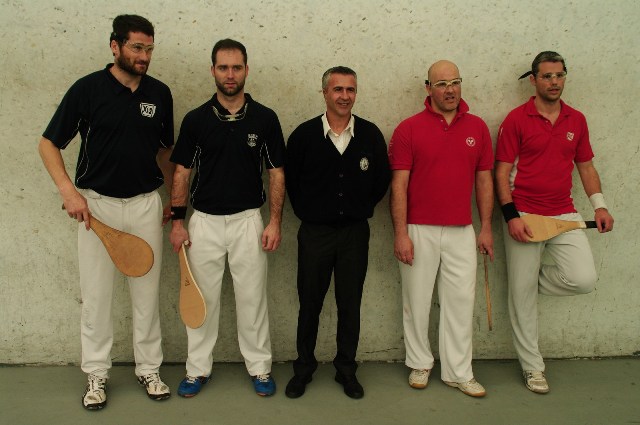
(124, 24)
(337, 70)
(546, 56)
(228, 44)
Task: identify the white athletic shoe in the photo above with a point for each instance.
(95, 395)
(156, 389)
(419, 378)
(471, 388)
(536, 381)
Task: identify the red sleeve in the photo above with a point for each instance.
(400, 155)
(584, 152)
(486, 158)
(508, 140)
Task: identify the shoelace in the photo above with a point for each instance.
(192, 379)
(96, 383)
(152, 379)
(535, 376)
(422, 373)
(263, 378)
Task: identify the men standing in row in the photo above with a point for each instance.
(538, 144)
(337, 171)
(226, 140)
(436, 158)
(125, 121)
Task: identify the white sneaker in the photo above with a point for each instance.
(419, 378)
(156, 389)
(536, 381)
(95, 395)
(472, 388)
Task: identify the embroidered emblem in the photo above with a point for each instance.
(364, 164)
(471, 141)
(570, 136)
(252, 140)
(147, 109)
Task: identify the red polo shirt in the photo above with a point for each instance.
(543, 156)
(443, 159)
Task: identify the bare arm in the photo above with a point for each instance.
(484, 202)
(591, 183)
(179, 198)
(167, 167)
(402, 246)
(73, 201)
(517, 229)
(271, 236)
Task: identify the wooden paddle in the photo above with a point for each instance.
(545, 228)
(131, 255)
(193, 309)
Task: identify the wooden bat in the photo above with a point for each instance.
(193, 309)
(545, 228)
(131, 255)
(487, 293)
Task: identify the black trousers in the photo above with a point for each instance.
(322, 250)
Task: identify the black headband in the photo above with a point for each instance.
(526, 74)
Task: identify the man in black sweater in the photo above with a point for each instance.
(336, 170)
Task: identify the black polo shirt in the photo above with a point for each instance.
(120, 132)
(228, 155)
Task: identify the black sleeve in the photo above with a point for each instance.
(293, 161)
(166, 139)
(186, 148)
(382, 170)
(65, 123)
(274, 148)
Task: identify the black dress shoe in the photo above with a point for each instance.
(351, 386)
(296, 386)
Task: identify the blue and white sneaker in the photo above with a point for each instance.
(191, 385)
(264, 385)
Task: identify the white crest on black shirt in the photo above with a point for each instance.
(147, 109)
(252, 140)
(364, 164)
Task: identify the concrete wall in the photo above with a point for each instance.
(47, 45)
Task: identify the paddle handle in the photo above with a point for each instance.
(590, 225)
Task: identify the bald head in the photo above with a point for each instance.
(443, 67)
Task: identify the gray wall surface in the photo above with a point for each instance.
(47, 45)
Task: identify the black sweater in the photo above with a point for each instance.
(325, 187)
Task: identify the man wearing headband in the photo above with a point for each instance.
(226, 140)
(438, 157)
(538, 144)
(125, 121)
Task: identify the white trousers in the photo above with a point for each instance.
(141, 216)
(238, 237)
(446, 255)
(572, 273)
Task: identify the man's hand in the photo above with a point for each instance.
(77, 207)
(403, 249)
(519, 230)
(604, 220)
(178, 235)
(485, 243)
(271, 237)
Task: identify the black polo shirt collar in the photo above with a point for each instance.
(118, 86)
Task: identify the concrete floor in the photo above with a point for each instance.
(582, 392)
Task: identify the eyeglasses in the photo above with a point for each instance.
(443, 84)
(551, 75)
(139, 47)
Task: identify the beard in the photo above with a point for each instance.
(129, 66)
(230, 91)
